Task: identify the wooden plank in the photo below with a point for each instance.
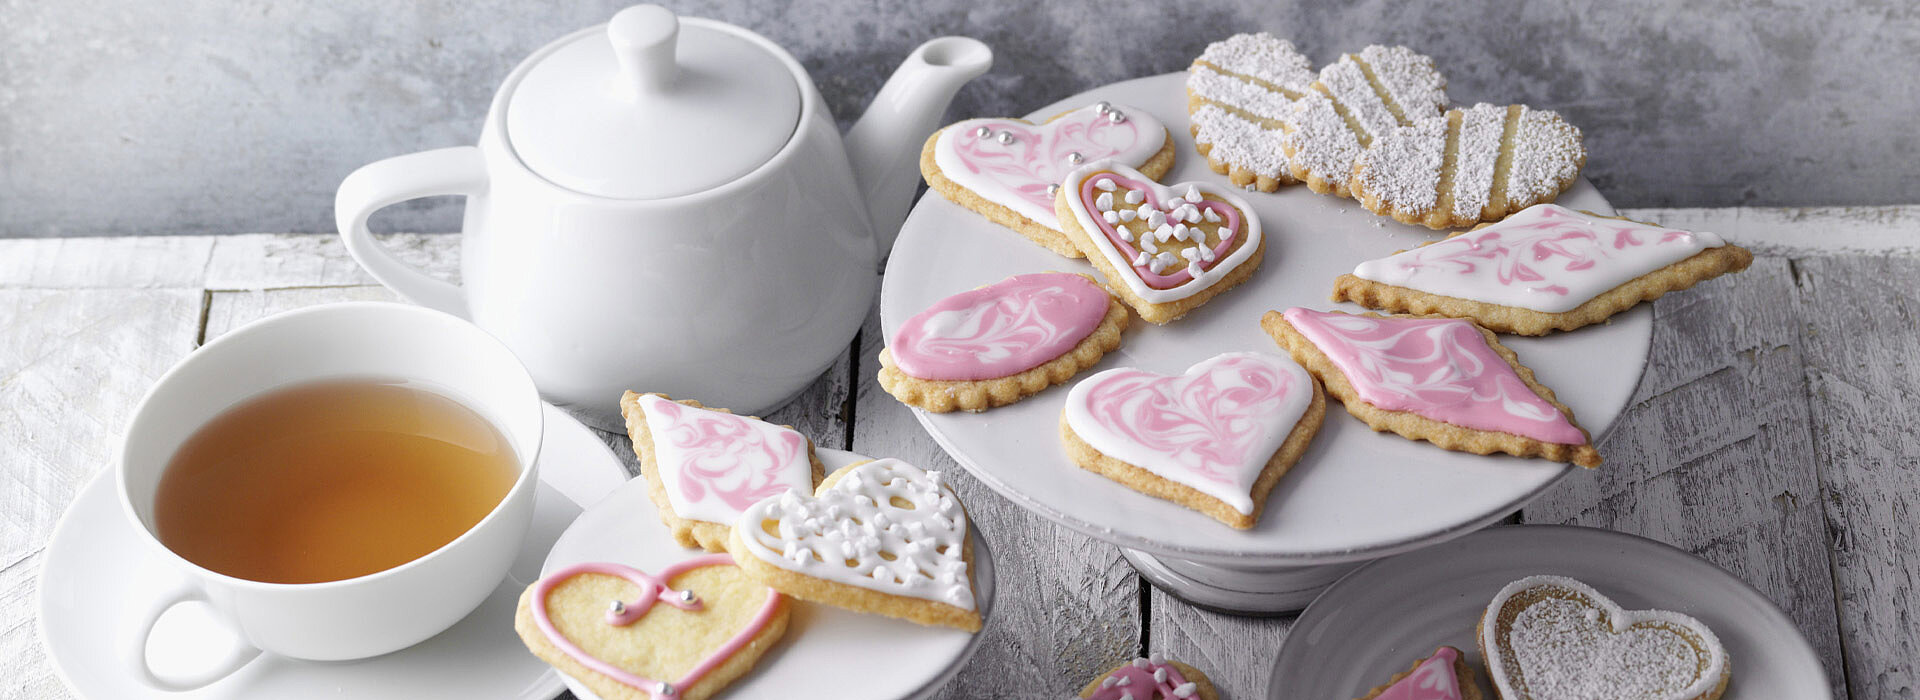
(1067, 608)
(1801, 231)
(1714, 453)
(269, 260)
(103, 263)
(229, 310)
(1862, 331)
(1237, 653)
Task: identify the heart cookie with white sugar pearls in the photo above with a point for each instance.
(1164, 249)
(1551, 637)
(1240, 95)
(1152, 677)
(1008, 170)
(1469, 165)
(1356, 100)
(1215, 439)
(881, 537)
(683, 634)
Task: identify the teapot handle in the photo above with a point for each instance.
(447, 171)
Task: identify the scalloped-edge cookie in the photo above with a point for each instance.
(1444, 675)
(1215, 439)
(704, 466)
(1551, 637)
(1397, 374)
(1240, 94)
(1360, 98)
(1469, 165)
(994, 345)
(1009, 170)
(882, 537)
(1164, 249)
(1545, 269)
(1152, 677)
(683, 634)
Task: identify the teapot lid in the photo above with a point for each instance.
(652, 107)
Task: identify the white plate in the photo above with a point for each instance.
(824, 647)
(1379, 619)
(1356, 494)
(89, 598)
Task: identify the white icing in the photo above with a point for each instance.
(1564, 652)
(1033, 161)
(1547, 258)
(709, 460)
(1249, 221)
(1184, 447)
(856, 520)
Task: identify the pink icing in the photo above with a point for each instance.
(717, 445)
(1441, 368)
(1001, 329)
(1229, 227)
(1433, 679)
(1143, 680)
(651, 589)
(1208, 423)
(1039, 154)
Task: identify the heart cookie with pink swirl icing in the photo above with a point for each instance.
(1215, 439)
(1443, 676)
(1442, 380)
(683, 634)
(1009, 170)
(998, 344)
(704, 466)
(1165, 249)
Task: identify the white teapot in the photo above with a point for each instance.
(664, 204)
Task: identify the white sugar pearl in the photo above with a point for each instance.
(1193, 194)
(1135, 197)
(1105, 183)
(1110, 217)
(1140, 258)
(1104, 201)
(1212, 215)
(1129, 215)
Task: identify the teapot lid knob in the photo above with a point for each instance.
(643, 39)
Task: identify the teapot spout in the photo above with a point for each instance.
(884, 145)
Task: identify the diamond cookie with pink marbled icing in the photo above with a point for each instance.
(1443, 380)
(1445, 675)
(704, 466)
(1554, 638)
(1468, 165)
(998, 344)
(1009, 170)
(1215, 439)
(1545, 269)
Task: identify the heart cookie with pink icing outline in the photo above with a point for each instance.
(1009, 170)
(1215, 439)
(704, 466)
(1165, 249)
(683, 634)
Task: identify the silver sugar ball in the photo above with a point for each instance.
(1103, 106)
(983, 132)
(1005, 137)
(1053, 190)
(1116, 117)
(1075, 158)
(686, 596)
(617, 608)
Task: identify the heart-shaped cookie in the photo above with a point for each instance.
(1240, 95)
(1167, 249)
(683, 634)
(883, 537)
(1469, 165)
(1360, 98)
(1547, 637)
(1009, 169)
(1215, 439)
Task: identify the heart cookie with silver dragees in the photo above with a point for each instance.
(883, 526)
(1550, 637)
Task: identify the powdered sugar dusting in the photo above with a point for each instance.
(1568, 641)
(1320, 143)
(1547, 156)
(1220, 88)
(1409, 78)
(1261, 56)
(1239, 143)
(1478, 151)
(1402, 169)
(1346, 83)
(1325, 145)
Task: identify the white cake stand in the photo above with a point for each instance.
(1356, 495)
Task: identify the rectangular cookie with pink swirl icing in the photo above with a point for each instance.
(704, 466)
(1009, 170)
(1545, 269)
(1434, 378)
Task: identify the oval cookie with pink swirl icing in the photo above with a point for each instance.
(704, 466)
(1009, 170)
(1544, 269)
(998, 344)
(1442, 380)
(1215, 439)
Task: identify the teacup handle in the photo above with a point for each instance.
(181, 593)
(447, 171)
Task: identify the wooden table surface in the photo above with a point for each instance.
(1772, 434)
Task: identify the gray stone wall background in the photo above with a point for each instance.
(212, 116)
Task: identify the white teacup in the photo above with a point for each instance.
(357, 617)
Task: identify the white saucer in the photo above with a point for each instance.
(89, 598)
(1379, 619)
(1356, 494)
(856, 655)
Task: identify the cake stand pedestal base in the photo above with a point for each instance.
(1253, 590)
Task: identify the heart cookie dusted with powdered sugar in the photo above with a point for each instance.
(1356, 101)
(1551, 637)
(1240, 95)
(1469, 165)
(1165, 249)
(1008, 170)
(882, 537)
